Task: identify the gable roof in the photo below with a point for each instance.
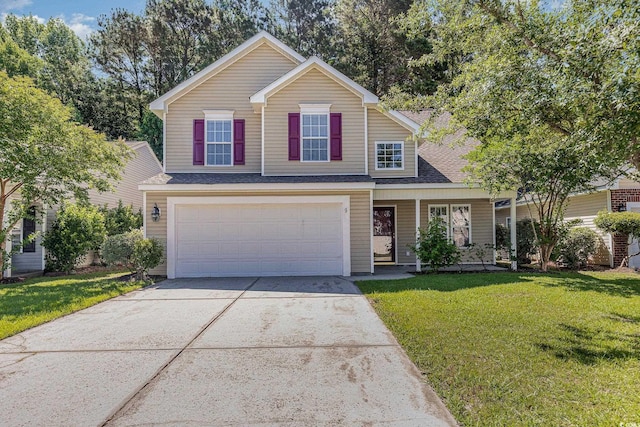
(159, 105)
(314, 62)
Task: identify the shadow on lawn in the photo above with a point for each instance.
(34, 298)
(615, 286)
(618, 286)
(590, 347)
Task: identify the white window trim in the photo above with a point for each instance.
(447, 222)
(376, 155)
(315, 109)
(219, 115)
(467, 205)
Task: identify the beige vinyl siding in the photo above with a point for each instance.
(143, 166)
(481, 222)
(360, 221)
(382, 128)
(626, 184)
(314, 87)
(228, 90)
(502, 215)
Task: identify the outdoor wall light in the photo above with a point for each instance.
(155, 213)
(622, 207)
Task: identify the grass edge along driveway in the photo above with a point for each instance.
(39, 300)
(558, 349)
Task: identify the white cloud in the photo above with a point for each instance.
(9, 5)
(79, 24)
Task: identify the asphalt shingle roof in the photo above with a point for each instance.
(249, 178)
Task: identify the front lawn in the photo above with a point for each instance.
(39, 300)
(522, 349)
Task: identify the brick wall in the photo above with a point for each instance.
(621, 197)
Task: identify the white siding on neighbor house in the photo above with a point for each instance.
(584, 207)
(313, 87)
(230, 89)
(143, 166)
(382, 128)
(626, 184)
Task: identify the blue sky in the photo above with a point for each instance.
(79, 15)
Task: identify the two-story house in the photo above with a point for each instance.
(280, 165)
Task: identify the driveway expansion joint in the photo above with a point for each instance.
(164, 367)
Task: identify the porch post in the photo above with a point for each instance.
(512, 209)
(418, 266)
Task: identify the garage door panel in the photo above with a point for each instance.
(258, 239)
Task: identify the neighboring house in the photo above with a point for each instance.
(143, 166)
(280, 165)
(622, 195)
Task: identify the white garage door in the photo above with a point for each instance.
(214, 240)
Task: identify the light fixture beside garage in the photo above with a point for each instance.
(155, 213)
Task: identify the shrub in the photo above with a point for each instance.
(482, 253)
(147, 254)
(118, 249)
(578, 246)
(76, 230)
(503, 238)
(434, 248)
(121, 219)
(526, 244)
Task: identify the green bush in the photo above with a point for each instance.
(76, 230)
(147, 254)
(526, 240)
(121, 219)
(503, 238)
(434, 248)
(118, 249)
(578, 246)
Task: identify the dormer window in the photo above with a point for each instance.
(315, 132)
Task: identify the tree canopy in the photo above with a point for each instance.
(45, 156)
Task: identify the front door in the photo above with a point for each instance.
(384, 235)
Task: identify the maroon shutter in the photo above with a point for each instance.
(198, 142)
(238, 142)
(336, 136)
(294, 136)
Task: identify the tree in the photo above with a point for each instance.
(45, 156)
(376, 50)
(624, 223)
(551, 94)
(15, 60)
(308, 26)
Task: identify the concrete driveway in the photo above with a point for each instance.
(268, 351)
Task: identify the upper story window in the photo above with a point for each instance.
(389, 155)
(315, 132)
(219, 138)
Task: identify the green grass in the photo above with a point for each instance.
(506, 349)
(39, 300)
